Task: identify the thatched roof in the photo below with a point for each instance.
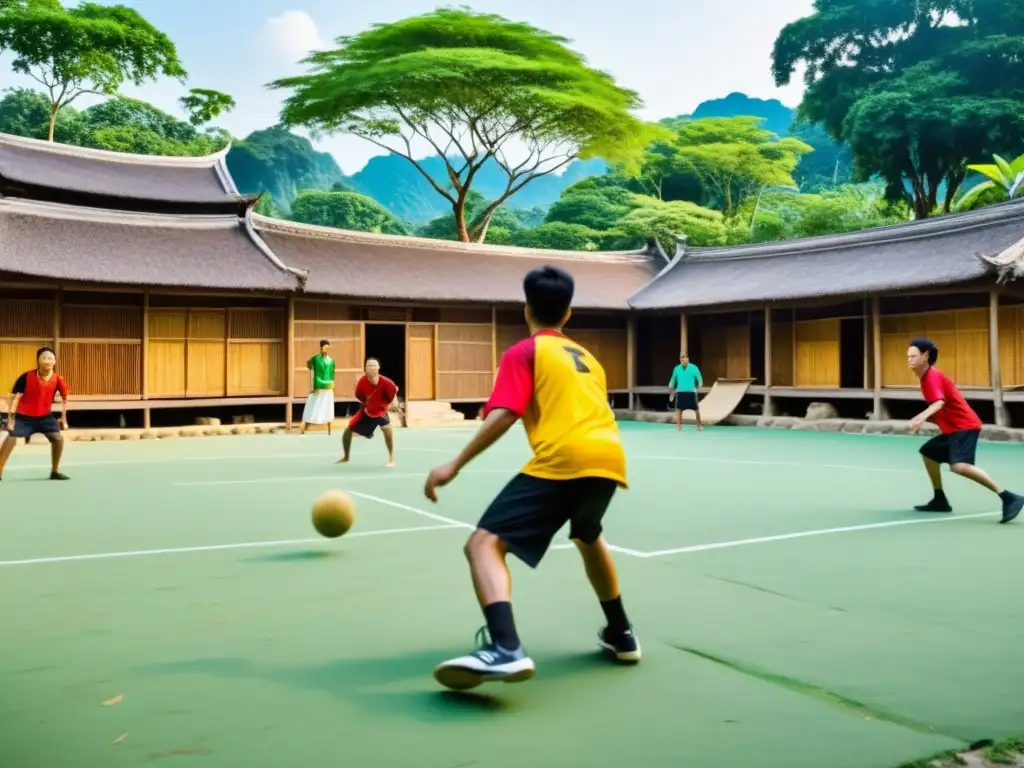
(53, 172)
(942, 251)
(71, 243)
(363, 265)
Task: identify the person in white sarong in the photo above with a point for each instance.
(320, 401)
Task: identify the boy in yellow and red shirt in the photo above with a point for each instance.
(560, 392)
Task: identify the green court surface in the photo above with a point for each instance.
(171, 604)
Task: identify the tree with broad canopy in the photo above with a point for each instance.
(472, 87)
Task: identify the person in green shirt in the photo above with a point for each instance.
(320, 401)
(686, 380)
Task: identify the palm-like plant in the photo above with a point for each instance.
(1008, 177)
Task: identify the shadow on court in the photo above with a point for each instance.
(299, 556)
(398, 685)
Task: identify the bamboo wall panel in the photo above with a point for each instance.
(331, 311)
(782, 354)
(26, 319)
(94, 369)
(464, 364)
(609, 348)
(101, 350)
(255, 351)
(508, 335)
(1011, 345)
(725, 353)
(419, 368)
(961, 336)
(255, 368)
(206, 361)
(16, 357)
(25, 326)
(165, 353)
(347, 349)
(817, 353)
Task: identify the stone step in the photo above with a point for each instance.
(422, 408)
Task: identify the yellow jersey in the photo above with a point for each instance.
(559, 391)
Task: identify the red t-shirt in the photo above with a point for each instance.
(956, 415)
(376, 398)
(37, 396)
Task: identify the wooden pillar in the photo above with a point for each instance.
(995, 374)
(144, 358)
(877, 410)
(289, 355)
(684, 340)
(494, 338)
(868, 335)
(769, 407)
(631, 359)
(58, 300)
(437, 360)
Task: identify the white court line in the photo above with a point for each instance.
(414, 510)
(801, 464)
(432, 516)
(339, 477)
(215, 547)
(805, 534)
(225, 457)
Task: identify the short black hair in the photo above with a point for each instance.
(549, 293)
(927, 347)
(324, 343)
(41, 350)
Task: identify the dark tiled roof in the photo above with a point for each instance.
(944, 250)
(370, 266)
(196, 180)
(70, 243)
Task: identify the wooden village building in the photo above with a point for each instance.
(167, 298)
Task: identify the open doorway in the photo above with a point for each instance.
(386, 342)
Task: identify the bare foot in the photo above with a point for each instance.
(343, 460)
(391, 463)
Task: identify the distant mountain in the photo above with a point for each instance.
(284, 165)
(778, 118)
(277, 161)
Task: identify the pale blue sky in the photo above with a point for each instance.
(675, 53)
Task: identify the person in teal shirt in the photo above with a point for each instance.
(686, 380)
(320, 400)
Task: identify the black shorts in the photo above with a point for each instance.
(529, 511)
(365, 426)
(26, 426)
(687, 401)
(956, 448)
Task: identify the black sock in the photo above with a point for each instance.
(616, 615)
(502, 626)
(940, 495)
(1007, 496)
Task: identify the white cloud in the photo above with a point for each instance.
(292, 36)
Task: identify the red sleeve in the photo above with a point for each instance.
(390, 389)
(513, 386)
(932, 387)
(361, 390)
(62, 387)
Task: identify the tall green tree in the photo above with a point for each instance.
(345, 210)
(203, 105)
(89, 48)
(472, 87)
(718, 161)
(914, 88)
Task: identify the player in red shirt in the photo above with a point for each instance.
(32, 410)
(960, 428)
(374, 393)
